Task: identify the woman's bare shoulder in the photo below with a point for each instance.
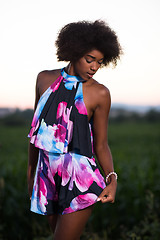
(102, 100)
(100, 91)
(46, 78)
(48, 74)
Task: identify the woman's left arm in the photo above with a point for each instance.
(101, 148)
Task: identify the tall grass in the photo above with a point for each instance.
(136, 213)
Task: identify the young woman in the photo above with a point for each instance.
(69, 127)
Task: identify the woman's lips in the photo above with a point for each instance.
(90, 74)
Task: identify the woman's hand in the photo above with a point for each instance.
(30, 186)
(109, 193)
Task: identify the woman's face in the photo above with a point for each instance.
(88, 65)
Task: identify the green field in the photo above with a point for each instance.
(135, 215)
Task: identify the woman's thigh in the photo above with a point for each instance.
(52, 219)
(70, 226)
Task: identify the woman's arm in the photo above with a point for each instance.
(102, 150)
(32, 163)
(32, 151)
(44, 80)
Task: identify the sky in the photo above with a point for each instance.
(29, 29)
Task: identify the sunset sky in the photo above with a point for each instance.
(29, 29)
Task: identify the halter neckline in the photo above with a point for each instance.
(71, 78)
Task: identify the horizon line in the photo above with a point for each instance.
(113, 104)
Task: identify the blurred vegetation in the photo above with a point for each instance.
(17, 118)
(135, 144)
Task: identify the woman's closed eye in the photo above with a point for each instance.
(100, 62)
(90, 61)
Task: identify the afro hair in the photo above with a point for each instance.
(76, 39)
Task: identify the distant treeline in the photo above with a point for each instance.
(17, 118)
(121, 115)
(22, 118)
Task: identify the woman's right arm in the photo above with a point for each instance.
(32, 163)
(32, 151)
(44, 80)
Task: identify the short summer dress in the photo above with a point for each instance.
(67, 178)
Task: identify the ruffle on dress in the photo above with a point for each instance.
(65, 183)
(60, 122)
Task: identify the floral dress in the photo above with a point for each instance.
(67, 178)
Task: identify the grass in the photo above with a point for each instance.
(136, 212)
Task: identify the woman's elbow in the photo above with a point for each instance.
(101, 147)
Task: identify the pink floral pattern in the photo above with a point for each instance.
(81, 202)
(67, 177)
(77, 178)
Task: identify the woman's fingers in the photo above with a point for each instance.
(106, 199)
(30, 187)
(107, 195)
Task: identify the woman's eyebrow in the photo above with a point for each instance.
(88, 55)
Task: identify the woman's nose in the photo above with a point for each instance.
(94, 66)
